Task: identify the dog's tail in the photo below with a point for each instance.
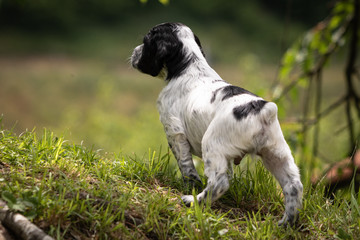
(269, 113)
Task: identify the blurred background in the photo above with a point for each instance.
(64, 64)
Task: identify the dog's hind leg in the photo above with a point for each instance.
(278, 159)
(181, 149)
(216, 165)
(218, 180)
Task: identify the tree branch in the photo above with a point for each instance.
(318, 98)
(327, 111)
(349, 72)
(305, 114)
(20, 225)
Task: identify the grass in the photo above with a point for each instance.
(73, 192)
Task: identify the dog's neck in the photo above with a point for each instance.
(198, 69)
(201, 69)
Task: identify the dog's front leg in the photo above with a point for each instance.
(181, 149)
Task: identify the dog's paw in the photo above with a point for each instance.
(287, 221)
(192, 183)
(188, 200)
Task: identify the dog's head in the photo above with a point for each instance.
(167, 49)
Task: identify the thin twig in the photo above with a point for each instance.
(318, 97)
(305, 113)
(357, 74)
(350, 122)
(349, 71)
(327, 111)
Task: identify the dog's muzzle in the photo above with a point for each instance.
(136, 55)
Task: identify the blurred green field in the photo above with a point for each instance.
(78, 82)
(110, 106)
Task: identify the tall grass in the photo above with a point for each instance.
(73, 192)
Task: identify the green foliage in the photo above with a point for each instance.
(302, 84)
(74, 192)
(164, 2)
(311, 52)
(26, 204)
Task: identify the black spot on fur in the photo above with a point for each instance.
(220, 186)
(217, 80)
(214, 95)
(230, 91)
(253, 107)
(291, 218)
(162, 48)
(294, 192)
(207, 164)
(206, 193)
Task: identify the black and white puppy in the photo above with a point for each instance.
(206, 116)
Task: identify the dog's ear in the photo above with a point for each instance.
(172, 56)
(159, 51)
(197, 40)
(152, 56)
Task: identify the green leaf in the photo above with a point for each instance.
(315, 41)
(355, 204)
(164, 2)
(8, 197)
(323, 47)
(308, 63)
(18, 207)
(343, 235)
(284, 72)
(31, 214)
(303, 82)
(289, 57)
(334, 22)
(31, 203)
(294, 94)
